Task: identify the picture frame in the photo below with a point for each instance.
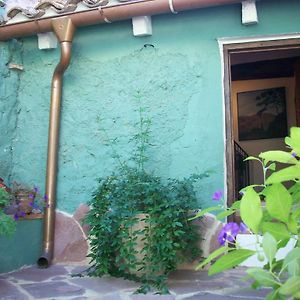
(262, 114)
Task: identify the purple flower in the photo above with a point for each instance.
(31, 196)
(36, 189)
(19, 214)
(228, 233)
(31, 204)
(45, 197)
(217, 196)
(294, 154)
(243, 228)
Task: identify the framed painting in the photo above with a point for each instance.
(262, 114)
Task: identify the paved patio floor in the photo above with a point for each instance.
(56, 282)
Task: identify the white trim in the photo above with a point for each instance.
(263, 38)
(240, 40)
(171, 6)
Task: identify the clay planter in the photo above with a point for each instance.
(25, 200)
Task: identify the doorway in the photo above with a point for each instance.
(262, 101)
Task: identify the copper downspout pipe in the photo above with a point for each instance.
(64, 30)
(108, 14)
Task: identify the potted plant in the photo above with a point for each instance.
(138, 221)
(24, 196)
(28, 200)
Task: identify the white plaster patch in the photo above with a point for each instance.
(249, 12)
(47, 40)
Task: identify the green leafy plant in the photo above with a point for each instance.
(139, 221)
(7, 223)
(271, 211)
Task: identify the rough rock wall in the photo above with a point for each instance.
(10, 58)
(99, 93)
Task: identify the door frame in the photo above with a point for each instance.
(245, 45)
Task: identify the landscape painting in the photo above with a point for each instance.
(262, 114)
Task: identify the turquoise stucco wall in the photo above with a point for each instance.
(180, 80)
(23, 248)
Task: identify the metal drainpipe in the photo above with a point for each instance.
(64, 30)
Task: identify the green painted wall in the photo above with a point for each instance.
(179, 78)
(23, 248)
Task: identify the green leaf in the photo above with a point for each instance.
(236, 205)
(251, 158)
(269, 246)
(295, 133)
(291, 286)
(263, 277)
(287, 174)
(272, 167)
(292, 262)
(292, 225)
(204, 211)
(230, 260)
(212, 256)
(251, 211)
(294, 140)
(225, 214)
(296, 213)
(274, 295)
(278, 230)
(278, 202)
(279, 156)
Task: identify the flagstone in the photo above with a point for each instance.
(52, 289)
(9, 292)
(36, 274)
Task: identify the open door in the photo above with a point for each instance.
(262, 101)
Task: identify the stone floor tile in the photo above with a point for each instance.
(103, 284)
(10, 292)
(248, 292)
(114, 296)
(52, 289)
(151, 297)
(59, 278)
(181, 288)
(208, 296)
(191, 275)
(79, 269)
(36, 274)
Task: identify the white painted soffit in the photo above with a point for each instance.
(17, 11)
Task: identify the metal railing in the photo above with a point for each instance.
(242, 169)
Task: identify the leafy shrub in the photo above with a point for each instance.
(139, 222)
(7, 224)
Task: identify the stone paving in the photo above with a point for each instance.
(56, 282)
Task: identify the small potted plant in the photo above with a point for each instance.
(24, 197)
(28, 200)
